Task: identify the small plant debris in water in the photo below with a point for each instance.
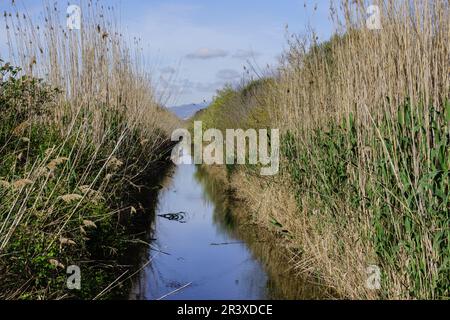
(177, 216)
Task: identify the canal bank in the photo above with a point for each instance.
(203, 245)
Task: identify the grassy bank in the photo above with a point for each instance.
(365, 161)
(270, 244)
(81, 136)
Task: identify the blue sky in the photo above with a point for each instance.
(194, 47)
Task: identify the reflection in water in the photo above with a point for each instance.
(215, 253)
(232, 217)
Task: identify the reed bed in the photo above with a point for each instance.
(81, 132)
(365, 122)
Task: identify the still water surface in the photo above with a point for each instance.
(203, 254)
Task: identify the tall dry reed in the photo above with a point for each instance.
(365, 135)
(67, 171)
(385, 94)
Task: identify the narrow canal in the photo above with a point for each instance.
(199, 251)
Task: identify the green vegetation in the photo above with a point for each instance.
(238, 108)
(61, 197)
(328, 158)
(82, 146)
(365, 154)
(364, 180)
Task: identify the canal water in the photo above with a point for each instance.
(199, 251)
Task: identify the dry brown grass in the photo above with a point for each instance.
(363, 120)
(319, 255)
(112, 132)
(268, 201)
(369, 74)
(99, 72)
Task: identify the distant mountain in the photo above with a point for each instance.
(187, 110)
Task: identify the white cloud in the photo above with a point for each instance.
(195, 45)
(206, 53)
